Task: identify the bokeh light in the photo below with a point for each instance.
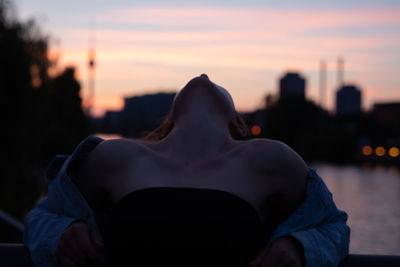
(255, 130)
(394, 152)
(367, 150)
(380, 151)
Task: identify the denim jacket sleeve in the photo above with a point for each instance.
(64, 204)
(318, 225)
(42, 232)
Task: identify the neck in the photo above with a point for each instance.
(197, 140)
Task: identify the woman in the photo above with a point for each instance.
(199, 196)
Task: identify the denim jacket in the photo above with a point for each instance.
(317, 224)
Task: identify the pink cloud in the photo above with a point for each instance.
(256, 18)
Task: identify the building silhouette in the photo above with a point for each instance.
(348, 100)
(387, 114)
(144, 113)
(292, 85)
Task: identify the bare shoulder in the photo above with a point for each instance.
(111, 155)
(276, 157)
(286, 173)
(116, 146)
(106, 160)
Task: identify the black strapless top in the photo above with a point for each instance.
(170, 226)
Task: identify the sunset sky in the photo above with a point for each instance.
(245, 46)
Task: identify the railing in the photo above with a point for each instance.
(11, 221)
(16, 255)
(11, 230)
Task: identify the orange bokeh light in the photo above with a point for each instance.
(255, 130)
(380, 151)
(367, 150)
(394, 152)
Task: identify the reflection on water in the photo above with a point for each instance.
(371, 198)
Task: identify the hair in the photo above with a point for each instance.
(167, 125)
(161, 131)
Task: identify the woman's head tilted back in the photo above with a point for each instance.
(202, 97)
(203, 100)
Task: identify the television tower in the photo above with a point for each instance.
(91, 70)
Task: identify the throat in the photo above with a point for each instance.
(196, 151)
(194, 146)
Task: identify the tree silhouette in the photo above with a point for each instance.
(42, 114)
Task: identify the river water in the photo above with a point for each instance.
(371, 198)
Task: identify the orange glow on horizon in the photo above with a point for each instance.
(103, 104)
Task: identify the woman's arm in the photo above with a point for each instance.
(318, 226)
(284, 173)
(287, 174)
(297, 242)
(60, 212)
(328, 243)
(311, 230)
(43, 229)
(53, 238)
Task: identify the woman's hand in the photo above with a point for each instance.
(80, 245)
(282, 252)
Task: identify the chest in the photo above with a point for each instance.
(233, 174)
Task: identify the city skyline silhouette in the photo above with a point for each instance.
(243, 46)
